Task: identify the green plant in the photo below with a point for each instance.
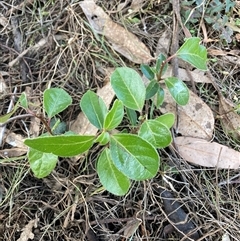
(215, 13)
(125, 156)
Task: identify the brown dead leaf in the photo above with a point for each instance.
(230, 120)
(196, 75)
(122, 40)
(208, 154)
(27, 231)
(131, 227)
(194, 119)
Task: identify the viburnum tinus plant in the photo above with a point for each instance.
(129, 154)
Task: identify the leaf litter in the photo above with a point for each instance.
(194, 119)
(121, 39)
(208, 154)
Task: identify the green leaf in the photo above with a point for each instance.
(111, 178)
(55, 100)
(167, 119)
(147, 71)
(194, 53)
(132, 116)
(58, 127)
(103, 138)
(114, 116)
(178, 90)
(94, 108)
(159, 97)
(155, 133)
(159, 63)
(133, 156)
(64, 146)
(41, 163)
(152, 89)
(129, 87)
(23, 100)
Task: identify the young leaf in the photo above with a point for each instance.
(94, 108)
(111, 178)
(129, 87)
(64, 146)
(55, 100)
(159, 63)
(178, 90)
(159, 97)
(103, 138)
(194, 53)
(41, 163)
(133, 156)
(152, 89)
(155, 133)
(6, 117)
(147, 71)
(114, 116)
(132, 116)
(23, 100)
(167, 119)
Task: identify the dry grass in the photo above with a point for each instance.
(70, 201)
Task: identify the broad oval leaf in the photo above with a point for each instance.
(147, 71)
(64, 146)
(94, 108)
(178, 90)
(133, 156)
(111, 178)
(41, 163)
(152, 89)
(129, 87)
(155, 133)
(55, 100)
(167, 119)
(114, 116)
(194, 53)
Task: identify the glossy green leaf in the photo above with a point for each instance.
(159, 97)
(114, 116)
(129, 87)
(152, 89)
(155, 133)
(103, 138)
(94, 108)
(133, 156)
(159, 63)
(55, 100)
(41, 163)
(194, 53)
(23, 100)
(64, 146)
(111, 178)
(167, 119)
(132, 116)
(147, 71)
(178, 90)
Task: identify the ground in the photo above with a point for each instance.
(69, 204)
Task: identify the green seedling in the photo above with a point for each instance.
(129, 154)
